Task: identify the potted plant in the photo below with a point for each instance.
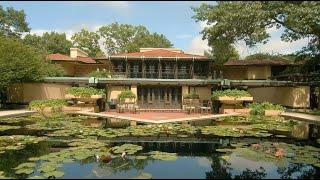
(126, 96)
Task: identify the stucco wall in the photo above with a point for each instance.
(114, 91)
(185, 90)
(235, 72)
(68, 67)
(26, 92)
(204, 92)
(296, 97)
(85, 69)
(259, 72)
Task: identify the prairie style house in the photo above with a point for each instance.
(160, 77)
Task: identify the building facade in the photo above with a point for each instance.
(159, 77)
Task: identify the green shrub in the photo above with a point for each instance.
(259, 108)
(39, 105)
(99, 74)
(84, 91)
(191, 96)
(230, 92)
(126, 94)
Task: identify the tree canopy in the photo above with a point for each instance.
(120, 38)
(87, 41)
(221, 52)
(12, 22)
(23, 63)
(49, 42)
(248, 21)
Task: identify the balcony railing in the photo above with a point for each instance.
(135, 74)
(167, 75)
(153, 75)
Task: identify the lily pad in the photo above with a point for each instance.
(24, 171)
(141, 157)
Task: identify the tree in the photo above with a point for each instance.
(248, 21)
(88, 41)
(120, 38)
(221, 52)
(22, 63)
(49, 42)
(12, 22)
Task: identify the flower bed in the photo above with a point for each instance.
(233, 94)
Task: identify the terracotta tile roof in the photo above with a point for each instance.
(159, 53)
(61, 57)
(257, 62)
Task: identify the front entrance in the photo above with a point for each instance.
(160, 97)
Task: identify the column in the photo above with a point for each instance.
(134, 89)
(143, 69)
(159, 69)
(176, 70)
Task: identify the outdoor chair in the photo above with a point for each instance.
(206, 107)
(190, 107)
(121, 108)
(133, 108)
(196, 104)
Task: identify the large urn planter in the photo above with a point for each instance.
(272, 112)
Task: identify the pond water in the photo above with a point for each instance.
(174, 151)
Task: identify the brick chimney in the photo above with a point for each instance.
(76, 52)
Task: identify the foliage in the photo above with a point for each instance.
(126, 94)
(192, 95)
(259, 108)
(222, 51)
(84, 91)
(249, 21)
(230, 92)
(22, 63)
(120, 38)
(39, 105)
(99, 74)
(49, 43)
(267, 56)
(88, 41)
(13, 23)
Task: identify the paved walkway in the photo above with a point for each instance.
(302, 117)
(143, 118)
(15, 113)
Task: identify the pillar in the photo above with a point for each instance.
(184, 91)
(134, 89)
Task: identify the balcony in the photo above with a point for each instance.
(167, 75)
(135, 75)
(153, 75)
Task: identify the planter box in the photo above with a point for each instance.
(85, 99)
(226, 110)
(243, 111)
(77, 108)
(272, 112)
(226, 98)
(244, 99)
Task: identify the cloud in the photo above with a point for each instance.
(274, 46)
(197, 45)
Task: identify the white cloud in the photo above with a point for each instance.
(274, 46)
(197, 45)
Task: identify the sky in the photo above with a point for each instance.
(171, 18)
